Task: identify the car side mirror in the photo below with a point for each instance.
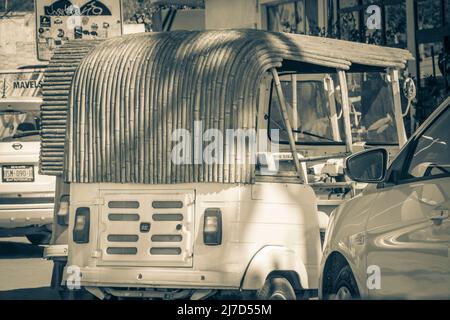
(368, 166)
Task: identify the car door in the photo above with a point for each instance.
(408, 230)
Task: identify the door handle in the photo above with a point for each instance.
(439, 215)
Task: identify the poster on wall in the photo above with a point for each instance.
(58, 21)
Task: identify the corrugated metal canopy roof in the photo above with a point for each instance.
(332, 52)
(128, 94)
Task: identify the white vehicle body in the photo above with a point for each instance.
(244, 259)
(270, 228)
(398, 230)
(26, 196)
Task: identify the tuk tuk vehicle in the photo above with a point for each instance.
(184, 158)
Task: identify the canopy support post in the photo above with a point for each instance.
(346, 110)
(398, 113)
(287, 123)
(295, 118)
(329, 87)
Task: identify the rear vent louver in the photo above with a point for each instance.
(123, 238)
(123, 204)
(167, 204)
(160, 215)
(167, 238)
(121, 250)
(123, 217)
(167, 217)
(165, 251)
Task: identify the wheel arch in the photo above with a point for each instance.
(334, 263)
(275, 261)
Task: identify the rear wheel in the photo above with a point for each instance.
(344, 286)
(276, 289)
(40, 238)
(80, 294)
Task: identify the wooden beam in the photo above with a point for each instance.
(287, 124)
(333, 113)
(395, 83)
(346, 110)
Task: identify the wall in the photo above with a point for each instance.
(222, 14)
(17, 41)
(133, 28)
(189, 19)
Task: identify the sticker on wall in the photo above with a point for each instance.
(59, 21)
(85, 21)
(95, 8)
(45, 22)
(78, 31)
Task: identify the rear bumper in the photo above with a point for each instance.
(156, 278)
(56, 251)
(25, 211)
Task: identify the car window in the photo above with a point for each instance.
(431, 154)
(16, 125)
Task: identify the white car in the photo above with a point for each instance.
(26, 197)
(393, 241)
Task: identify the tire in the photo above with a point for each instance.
(39, 239)
(344, 286)
(81, 294)
(276, 289)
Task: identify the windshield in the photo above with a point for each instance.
(317, 117)
(371, 108)
(18, 125)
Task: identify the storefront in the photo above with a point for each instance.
(381, 22)
(429, 40)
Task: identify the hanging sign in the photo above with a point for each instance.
(21, 83)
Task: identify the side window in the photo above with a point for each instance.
(431, 155)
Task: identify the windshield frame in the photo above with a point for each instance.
(300, 143)
(347, 140)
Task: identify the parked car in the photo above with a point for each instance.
(393, 241)
(26, 197)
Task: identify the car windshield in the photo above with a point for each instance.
(16, 125)
(317, 118)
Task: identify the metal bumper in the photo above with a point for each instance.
(25, 215)
(154, 278)
(56, 251)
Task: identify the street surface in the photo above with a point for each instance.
(24, 275)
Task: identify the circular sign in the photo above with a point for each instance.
(409, 89)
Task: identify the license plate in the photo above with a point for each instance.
(18, 173)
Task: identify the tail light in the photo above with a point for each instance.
(63, 213)
(82, 224)
(212, 227)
